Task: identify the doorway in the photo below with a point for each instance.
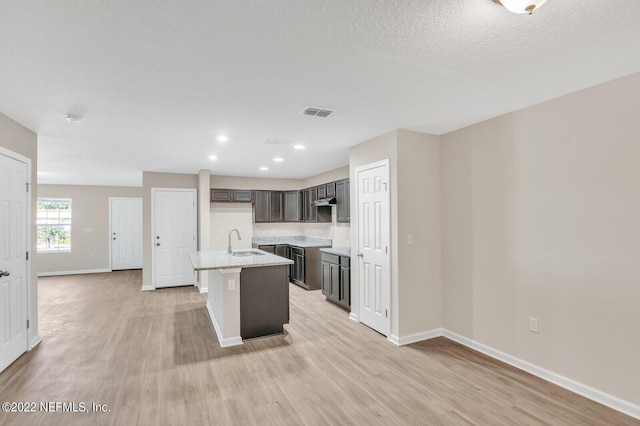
(125, 224)
(374, 258)
(173, 233)
(15, 212)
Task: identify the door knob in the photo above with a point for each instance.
(4, 273)
(360, 255)
(157, 244)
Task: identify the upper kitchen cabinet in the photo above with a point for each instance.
(343, 208)
(327, 190)
(309, 211)
(268, 206)
(231, 195)
(292, 206)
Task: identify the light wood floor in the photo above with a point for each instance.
(153, 358)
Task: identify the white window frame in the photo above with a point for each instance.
(38, 225)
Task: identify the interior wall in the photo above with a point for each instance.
(19, 139)
(89, 227)
(419, 233)
(377, 149)
(552, 232)
(157, 180)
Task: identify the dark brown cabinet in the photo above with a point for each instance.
(343, 208)
(268, 206)
(292, 206)
(309, 211)
(336, 279)
(264, 301)
(231, 196)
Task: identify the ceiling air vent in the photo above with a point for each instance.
(318, 112)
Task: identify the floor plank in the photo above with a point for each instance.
(153, 358)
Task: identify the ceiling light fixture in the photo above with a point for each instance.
(213, 157)
(264, 169)
(298, 147)
(72, 118)
(278, 159)
(223, 138)
(521, 6)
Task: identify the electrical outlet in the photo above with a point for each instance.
(410, 239)
(232, 284)
(533, 325)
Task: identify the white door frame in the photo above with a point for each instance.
(153, 225)
(356, 316)
(110, 228)
(32, 340)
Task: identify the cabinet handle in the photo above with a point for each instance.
(157, 244)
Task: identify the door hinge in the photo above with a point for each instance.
(386, 313)
(27, 185)
(386, 249)
(27, 323)
(27, 256)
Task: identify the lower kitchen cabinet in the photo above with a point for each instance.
(336, 279)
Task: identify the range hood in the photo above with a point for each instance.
(321, 202)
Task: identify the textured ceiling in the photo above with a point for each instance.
(158, 81)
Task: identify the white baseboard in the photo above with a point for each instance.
(147, 288)
(224, 343)
(203, 290)
(35, 341)
(353, 317)
(78, 272)
(596, 395)
(413, 338)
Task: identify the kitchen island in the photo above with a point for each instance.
(248, 293)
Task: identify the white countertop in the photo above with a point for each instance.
(220, 259)
(298, 241)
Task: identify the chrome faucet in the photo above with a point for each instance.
(239, 238)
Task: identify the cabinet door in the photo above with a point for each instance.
(312, 211)
(330, 189)
(292, 206)
(275, 209)
(345, 285)
(282, 250)
(322, 191)
(335, 281)
(326, 278)
(343, 208)
(242, 195)
(268, 249)
(263, 200)
(221, 195)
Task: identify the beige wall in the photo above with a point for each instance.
(21, 140)
(419, 264)
(89, 228)
(380, 148)
(414, 172)
(157, 180)
(541, 213)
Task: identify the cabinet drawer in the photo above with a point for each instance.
(345, 261)
(331, 258)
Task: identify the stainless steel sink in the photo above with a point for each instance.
(246, 253)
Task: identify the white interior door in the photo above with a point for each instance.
(14, 201)
(174, 236)
(374, 277)
(126, 233)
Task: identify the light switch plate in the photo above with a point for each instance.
(232, 284)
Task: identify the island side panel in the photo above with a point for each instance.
(224, 305)
(264, 301)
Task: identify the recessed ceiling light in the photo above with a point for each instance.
(278, 159)
(72, 118)
(264, 168)
(299, 147)
(213, 157)
(223, 138)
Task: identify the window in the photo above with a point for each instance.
(54, 225)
